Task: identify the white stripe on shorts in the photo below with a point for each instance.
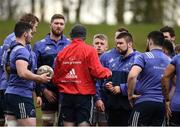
(22, 110)
(135, 119)
(91, 111)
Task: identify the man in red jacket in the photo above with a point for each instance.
(76, 68)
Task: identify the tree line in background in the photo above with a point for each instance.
(143, 11)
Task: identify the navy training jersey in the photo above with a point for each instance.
(122, 66)
(6, 45)
(175, 101)
(47, 50)
(9, 41)
(106, 59)
(16, 84)
(153, 64)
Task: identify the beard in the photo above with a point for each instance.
(123, 52)
(28, 40)
(56, 33)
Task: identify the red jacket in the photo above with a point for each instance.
(76, 66)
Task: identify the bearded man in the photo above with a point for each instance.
(46, 51)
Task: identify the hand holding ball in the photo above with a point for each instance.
(45, 69)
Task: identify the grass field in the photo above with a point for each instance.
(139, 32)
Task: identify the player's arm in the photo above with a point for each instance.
(132, 78)
(120, 88)
(168, 75)
(23, 72)
(173, 83)
(96, 68)
(97, 98)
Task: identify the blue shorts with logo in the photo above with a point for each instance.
(20, 107)
(147, 113)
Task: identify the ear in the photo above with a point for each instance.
(107, 45)
(173, 39)
(150, 42)
(130, 44)
(25, 34)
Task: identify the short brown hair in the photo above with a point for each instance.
(168, 29)
(177, 48)
(100, 36)
(21, 27)
(127, 36)
(57, 16)
(29, 18)
(122, 29)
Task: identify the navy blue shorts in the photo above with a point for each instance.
(98, 117)
(46, 105)
(118, 117)
(175, 119)
(147, 113)
(2, 104)
(75, 108)
(20, 107)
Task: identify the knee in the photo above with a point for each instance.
(48, 119)
(11, 123)
(84, 124)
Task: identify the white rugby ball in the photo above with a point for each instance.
(45, 69)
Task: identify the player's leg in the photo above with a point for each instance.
(142, 114)
(48, 118)
(26, 114)
(11, 121)
(27, 122)
(10, 110)
(175, 119)
(158, 114)
(66, 110)
(95, 117)
(114, 118)
(22, 109)
(84, 110)
(124, 117)
(66, 123)
(49, 110)
(102, 119)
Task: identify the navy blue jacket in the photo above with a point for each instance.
(46, 51)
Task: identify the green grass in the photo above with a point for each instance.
(38, 118)
(139, 32)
